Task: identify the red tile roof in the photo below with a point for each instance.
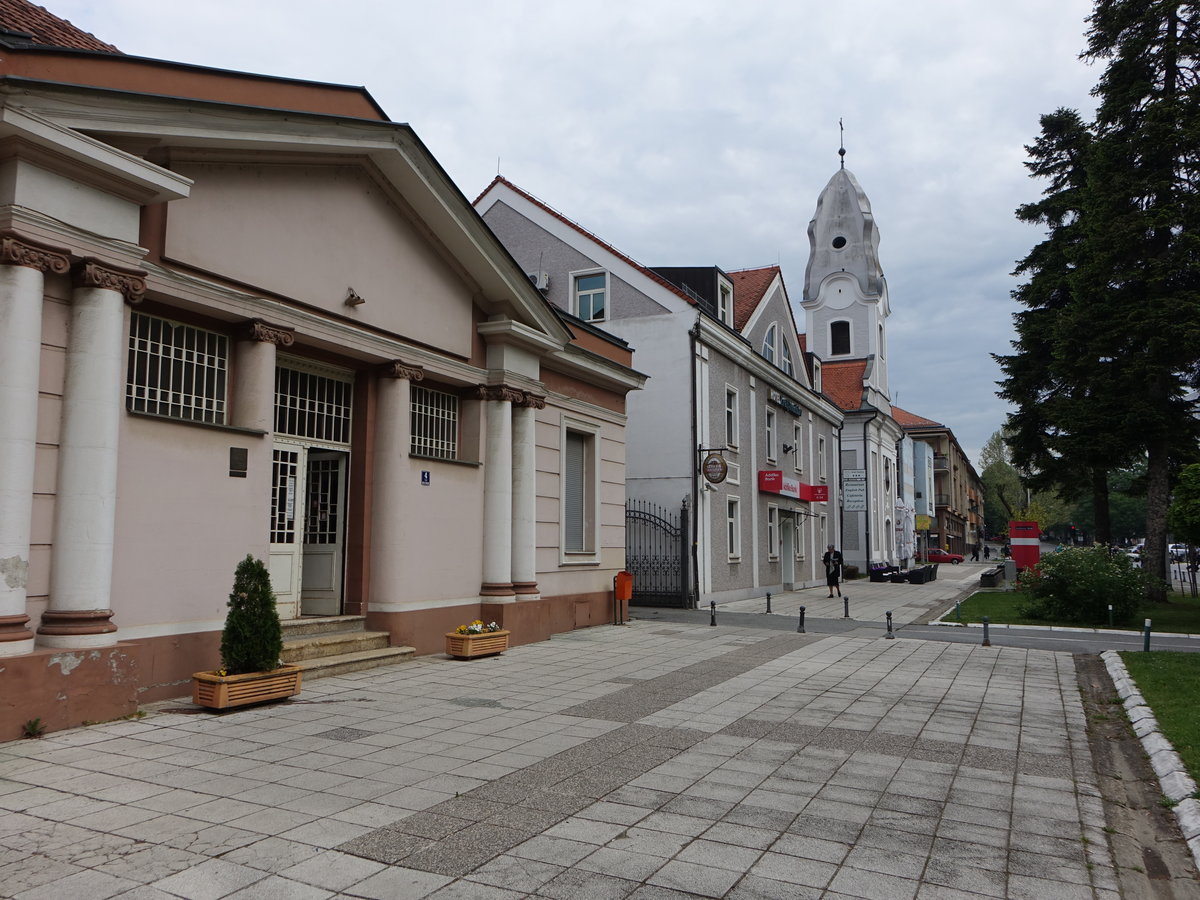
(47, 28)
(803, 339)
(749, 286)
(649, 273)
(842, 382)
(905, 419)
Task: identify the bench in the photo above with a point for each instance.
(993, 577)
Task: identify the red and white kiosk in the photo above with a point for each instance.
(1025, 538)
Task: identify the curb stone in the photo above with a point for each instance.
(1176, 783)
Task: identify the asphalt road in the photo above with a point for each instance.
(1023, 638)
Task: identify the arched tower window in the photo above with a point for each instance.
(839, 338)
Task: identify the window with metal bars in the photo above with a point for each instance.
(312, 406)
(434, 423)
(176, 370)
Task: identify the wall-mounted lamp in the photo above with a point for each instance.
(353, 299)
(787, 448)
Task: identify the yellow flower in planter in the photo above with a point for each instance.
(477, 627)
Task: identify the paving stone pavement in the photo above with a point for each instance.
(650, 761)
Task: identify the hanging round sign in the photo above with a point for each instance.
(714, 468)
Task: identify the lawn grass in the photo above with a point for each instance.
(1170, 684)
(1180, 616)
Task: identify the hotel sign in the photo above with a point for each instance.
(854, 490)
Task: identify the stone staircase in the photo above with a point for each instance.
(335, 645)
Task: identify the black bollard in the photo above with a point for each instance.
(768, 601)
(800, 627)
(713, 607)
(845, 607)
(957, 612)
(889, 635)
(1110, 616)
(1146, 639)
(987, 641)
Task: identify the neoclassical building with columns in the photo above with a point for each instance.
(251, 315)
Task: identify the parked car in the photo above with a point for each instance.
(936, 555)
(1177, 552)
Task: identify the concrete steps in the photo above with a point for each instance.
(335, 645)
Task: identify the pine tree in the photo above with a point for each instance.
(1139, 278)
(1061, 433)
(252, 640)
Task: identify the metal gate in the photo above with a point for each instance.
(656, 553)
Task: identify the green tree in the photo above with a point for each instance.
(1063, 432)
(252, 640)
(1138, 321)
(1184, 516)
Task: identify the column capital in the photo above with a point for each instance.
(16, 250)
(531, 400)
(265, 333)
(398, 369)
(499, 392)
(129, 283)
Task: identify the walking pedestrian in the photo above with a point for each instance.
(833, 570)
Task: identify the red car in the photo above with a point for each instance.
(936, 555)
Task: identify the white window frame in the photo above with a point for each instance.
(798, 452)
(435, 423)
(199, 356)
(773, 536)
(590, 554)
(575, 294)
(732, 419)
(769, 342)
(822, 471)
(785, 359)
(849, 337)
(816, 364)
(733, 528)
(725, 301)
(769, 424)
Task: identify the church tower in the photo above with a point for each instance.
(846, 308)
(845, 297)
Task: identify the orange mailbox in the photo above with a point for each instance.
(1025, 539)
(622, 594)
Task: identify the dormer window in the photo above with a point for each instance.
(725, 303)
(768, 347)
(839, 338)
(590, 290)
(816, 367)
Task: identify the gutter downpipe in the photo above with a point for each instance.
(693, 334)
(841, 490)
(867, 484)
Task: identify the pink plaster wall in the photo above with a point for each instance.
(311, 233)
(182, 523)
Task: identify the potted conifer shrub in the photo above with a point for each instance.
(251, 644)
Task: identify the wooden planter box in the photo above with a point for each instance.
(469, 646)
(224, 691)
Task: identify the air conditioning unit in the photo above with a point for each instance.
(540, 280)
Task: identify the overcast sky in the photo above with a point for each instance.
(701, 133)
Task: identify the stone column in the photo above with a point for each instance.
(393, 415)
(254, 387)
(524, 494)
(79, 612)
(22, 281)
(497, 490)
